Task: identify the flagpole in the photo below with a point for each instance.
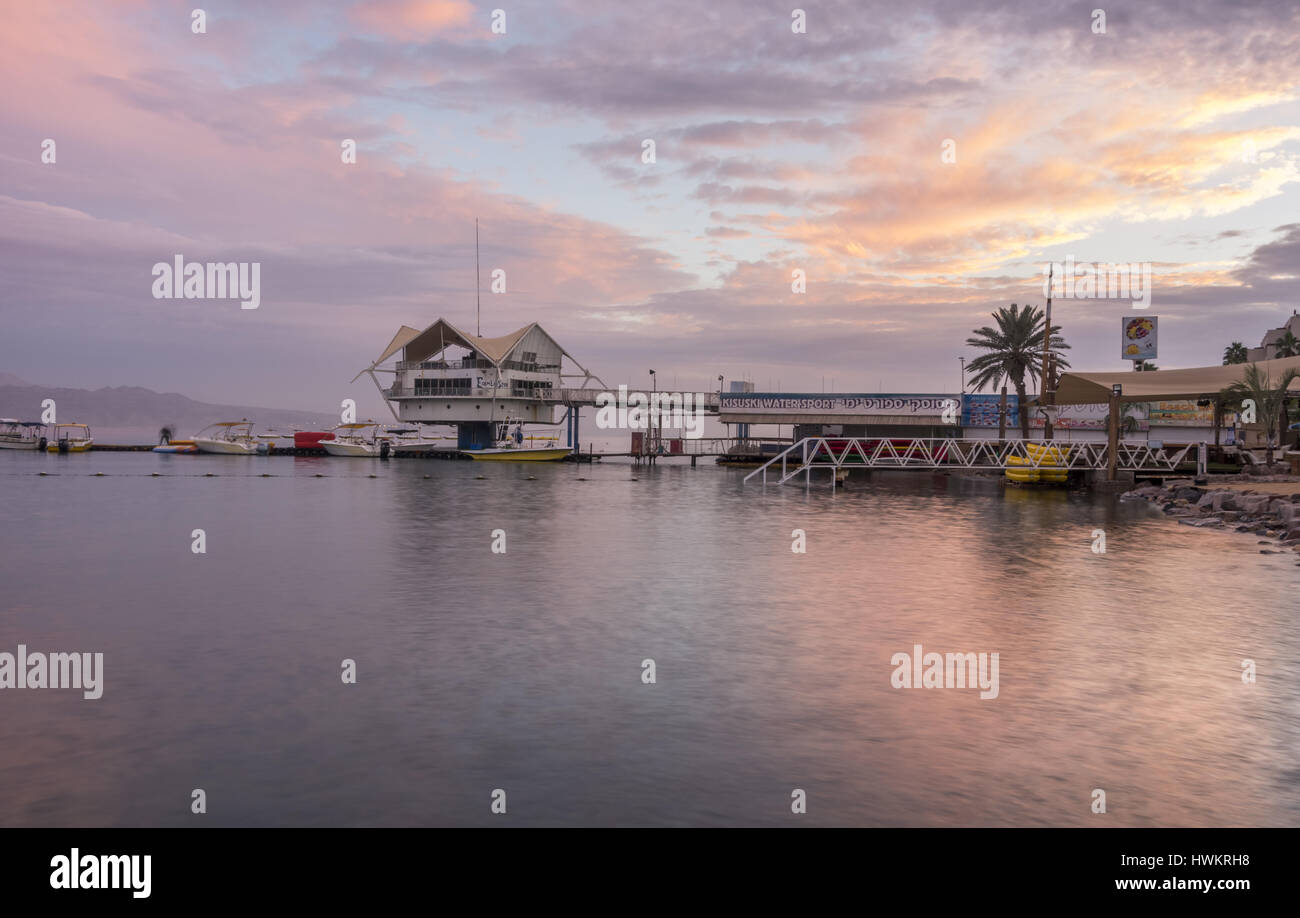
(1045, 397)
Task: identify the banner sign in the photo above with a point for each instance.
(884, 405)
(982, 411)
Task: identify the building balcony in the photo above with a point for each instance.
(400, 392)
(468, 363)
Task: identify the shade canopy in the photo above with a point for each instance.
(404, 335)
(1154, 385)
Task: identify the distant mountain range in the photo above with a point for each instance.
(142, 411)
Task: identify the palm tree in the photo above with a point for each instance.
(1268, 396)
(1287, 346)
(1015, 350)
(1128, 420)
(1234, 353)
(1141, 365)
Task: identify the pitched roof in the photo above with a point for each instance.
(437, 337)
(497, 349)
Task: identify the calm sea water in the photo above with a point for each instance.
(523, 670)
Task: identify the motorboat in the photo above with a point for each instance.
(15, 434)
(232, 438)
(413, 440)
(510, 447)
(360, 440)
(70, 438)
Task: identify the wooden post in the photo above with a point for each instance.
(1112, 438)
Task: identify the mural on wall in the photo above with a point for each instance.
(1181, 413)
(982, 411)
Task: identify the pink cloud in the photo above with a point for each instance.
(412, 20)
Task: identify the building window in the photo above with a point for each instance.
(458, 386)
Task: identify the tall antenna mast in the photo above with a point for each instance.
(478, 304)
(1047, 328)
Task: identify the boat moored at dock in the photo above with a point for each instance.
(310, 439)
(232, 438)
(360, 440)
(15, 434)
(70, 438)
(510, 447)
(414, 440)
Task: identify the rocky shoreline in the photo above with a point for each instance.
(1271, 515)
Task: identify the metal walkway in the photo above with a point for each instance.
(836, 453)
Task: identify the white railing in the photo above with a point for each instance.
(482, 392)
(558, 395)
(951, 453)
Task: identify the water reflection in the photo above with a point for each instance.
(522, 670)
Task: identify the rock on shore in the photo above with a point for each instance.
(1276, 516)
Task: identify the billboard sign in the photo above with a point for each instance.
(982, 410)
(1138, 337)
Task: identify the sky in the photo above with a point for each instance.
(920, 163)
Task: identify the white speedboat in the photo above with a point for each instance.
(231, 438)
(353, 441)
(414, 440)
(15, 434)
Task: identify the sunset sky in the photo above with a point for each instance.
(1173, 138)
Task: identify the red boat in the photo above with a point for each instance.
(310, 439)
